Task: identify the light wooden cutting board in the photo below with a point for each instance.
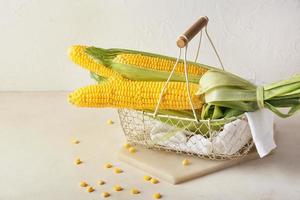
(168, 166)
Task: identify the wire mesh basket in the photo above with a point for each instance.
(214, 139)
(205, 138)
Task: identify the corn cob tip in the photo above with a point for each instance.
(74, 50)
(78, 55)
(86, 96)
(74, 98)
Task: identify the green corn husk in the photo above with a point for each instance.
(227, 91)
(200, 127)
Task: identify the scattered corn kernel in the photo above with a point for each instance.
(108, 165)
(83, 184)
(75, 141)
(118, 188)
(132, 150)
(156, 195)
(127, 145)
(110, 121)
(90, 189)
(101, 182)
(105, 194)
(147, 178)
(134, 191)
(118, 170)
(154, 181)
(186, 162)
(78, 161)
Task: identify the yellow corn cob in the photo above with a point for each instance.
(135, 95)
(157, 63)
(78, 55)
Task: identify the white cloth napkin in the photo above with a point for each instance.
(261, 125)
(234, 136)
(229, 141)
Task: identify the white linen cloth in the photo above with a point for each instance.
(229, 141)
(261, 125)
(234, 136)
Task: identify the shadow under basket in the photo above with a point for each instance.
(209, 139)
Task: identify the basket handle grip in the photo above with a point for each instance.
(188, 35)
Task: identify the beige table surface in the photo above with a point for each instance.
(36, 157)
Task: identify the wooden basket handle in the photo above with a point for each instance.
(188, 35)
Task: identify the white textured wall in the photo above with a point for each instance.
(256, 39)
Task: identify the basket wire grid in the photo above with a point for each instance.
(203, 138)
(137, 126)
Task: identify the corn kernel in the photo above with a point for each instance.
(109, 122)
(108, 165)
(83, 184)
(132, 150)
(105, 194)
(156, 195)
(185, 162)
(134, 191)
(154, 181)
(118, 188)
(90, 189)
(75, 141)
(78, 161)
(118, 170)
(101, 182)
(127, 145)
(147, 178)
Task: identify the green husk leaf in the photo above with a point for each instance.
(97, 78)
(142, 74)
(235, 95)
(217, 78)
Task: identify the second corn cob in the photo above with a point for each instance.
(136, 95)
(133, 65)
(144, 66)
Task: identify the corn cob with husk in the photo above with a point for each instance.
(133, 65)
